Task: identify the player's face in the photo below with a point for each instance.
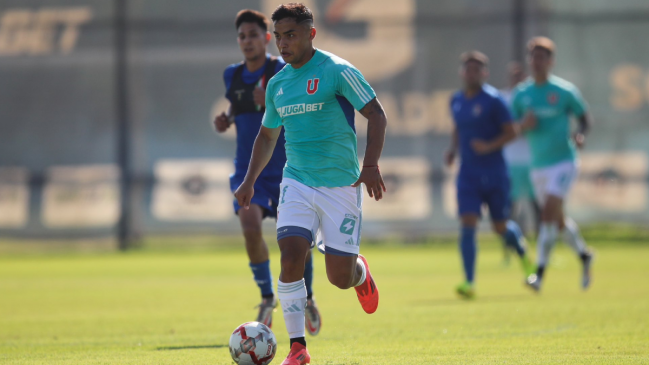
(473, 74)
(294, 41)
(252, 41)
(540, 62)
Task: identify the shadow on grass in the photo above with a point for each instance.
(190, 347)
(481, 299)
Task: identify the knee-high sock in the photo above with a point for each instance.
(514, 238)
(293, 299)
(308, 277)
(547, 239)
(573, 237)
(263, 278)
(469, 249)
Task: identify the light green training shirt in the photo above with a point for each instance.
(553, 103)
(315, 104)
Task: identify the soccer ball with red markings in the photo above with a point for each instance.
(253, 343)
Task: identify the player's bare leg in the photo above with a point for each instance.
(353, 271)
(250, 220)
(257, 250)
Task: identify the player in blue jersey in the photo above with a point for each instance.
(545, 103)
(483, 125)
(313, 99)
(245, 83)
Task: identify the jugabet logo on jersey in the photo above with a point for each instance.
(312, 86)
(288, 110)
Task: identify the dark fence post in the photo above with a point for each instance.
(124, 226)
(518, 27)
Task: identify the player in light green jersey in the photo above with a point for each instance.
(546, 103)
(313, 98)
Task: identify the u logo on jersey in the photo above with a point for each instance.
(312, 86)
(553, 98)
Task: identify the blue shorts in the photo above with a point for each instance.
(491, 189)
(266, 193)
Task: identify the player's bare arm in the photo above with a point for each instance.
(259, 96)
(528, 122)
(482, 147)
(223, 121)
(585, 122)
(262, 151)
(376, 125)
(449, 156)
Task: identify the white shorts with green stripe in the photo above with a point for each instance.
(333, 216)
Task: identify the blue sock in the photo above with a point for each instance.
(469, 250)
(263, 278)
(308, 277)
(514, 238)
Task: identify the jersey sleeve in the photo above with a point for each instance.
(271, 118)
(502, 114)
(351, 84)
(517, 107)
(576, 103)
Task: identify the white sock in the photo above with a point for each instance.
(364, 274)
(547, 238)
(573, 237)
(293, 299)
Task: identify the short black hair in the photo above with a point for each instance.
(251, 16)
(298, 11)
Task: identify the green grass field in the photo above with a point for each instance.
(179, 307)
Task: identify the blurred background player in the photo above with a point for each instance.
(314, 98)
(545, 103)
(245, 83)
(525, 211)
(483, 125)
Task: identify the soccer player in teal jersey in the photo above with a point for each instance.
(244, 83)
(313, 98)
(546, 103)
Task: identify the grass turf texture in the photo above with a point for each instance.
(180, 307)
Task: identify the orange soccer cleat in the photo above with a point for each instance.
(368, 292)
(298, 355)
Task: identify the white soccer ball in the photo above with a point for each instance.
(253, 343)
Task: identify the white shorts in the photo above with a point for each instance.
(333, 216)
(554, 180)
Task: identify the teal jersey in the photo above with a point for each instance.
(553, 103)
(315, 104)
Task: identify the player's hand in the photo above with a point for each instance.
(529, 121)
(371, 177)
(481, 147)
(580, 140)
(244, 194)
(221, 123)
(259, 96)
(449, 157)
